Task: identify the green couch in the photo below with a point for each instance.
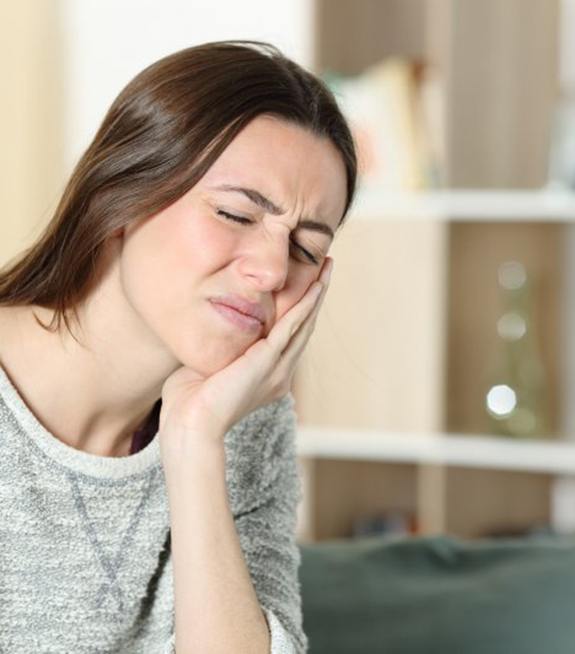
(439, 595)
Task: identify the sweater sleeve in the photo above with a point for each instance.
(267, 532)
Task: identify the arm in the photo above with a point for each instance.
(268, 532)
(239, 578)
(258, 380)
(216, 607)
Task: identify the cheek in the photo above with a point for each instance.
(199, 242)
(165, 261)
(183, 246)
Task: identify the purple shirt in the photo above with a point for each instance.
(145, 434)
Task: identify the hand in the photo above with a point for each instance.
(209, 407)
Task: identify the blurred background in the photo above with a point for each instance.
(436, 394)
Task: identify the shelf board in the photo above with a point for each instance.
(465, 205)
(553, 457)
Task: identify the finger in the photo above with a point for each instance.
(292, 353)
(266, 357)
(298, 341)
(266, 353)
(282, 332)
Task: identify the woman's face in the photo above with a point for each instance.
(176, 262)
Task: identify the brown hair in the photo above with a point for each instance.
(159, 137)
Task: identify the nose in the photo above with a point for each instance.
(267, 264)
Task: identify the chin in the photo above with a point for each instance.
(214, 358)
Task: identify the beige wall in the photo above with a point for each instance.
(31, 117)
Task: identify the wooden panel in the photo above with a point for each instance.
(480, 502)
(375, 358)
(353, 34)
(432, 499)
(502, 76)
(345, 490)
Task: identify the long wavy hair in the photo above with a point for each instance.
(161, 134)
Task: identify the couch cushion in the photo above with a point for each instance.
(439, 595)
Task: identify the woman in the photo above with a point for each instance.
(148, 472)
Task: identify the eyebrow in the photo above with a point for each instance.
(265, 203)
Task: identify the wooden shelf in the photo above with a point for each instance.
(486, 452)
(461, 205)
(419, 269)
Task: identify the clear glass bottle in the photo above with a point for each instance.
(515, 400)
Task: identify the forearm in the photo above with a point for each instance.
(216, 606)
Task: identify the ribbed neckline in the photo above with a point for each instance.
(103, 467)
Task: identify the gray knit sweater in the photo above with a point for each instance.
(85, 557)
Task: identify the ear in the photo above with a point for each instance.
(118, 233)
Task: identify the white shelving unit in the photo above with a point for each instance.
(476, 205)
(434, 453)
(388, 358)
(442, 449)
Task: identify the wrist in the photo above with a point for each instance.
(184, 447)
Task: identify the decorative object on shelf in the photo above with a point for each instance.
(516, 398)
(562, 156)
(394, 109)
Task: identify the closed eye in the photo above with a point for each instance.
(231, 216)
(247, 221)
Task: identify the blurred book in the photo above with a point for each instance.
(396, 114)
(392, 523)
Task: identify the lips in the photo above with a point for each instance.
(242, 305)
